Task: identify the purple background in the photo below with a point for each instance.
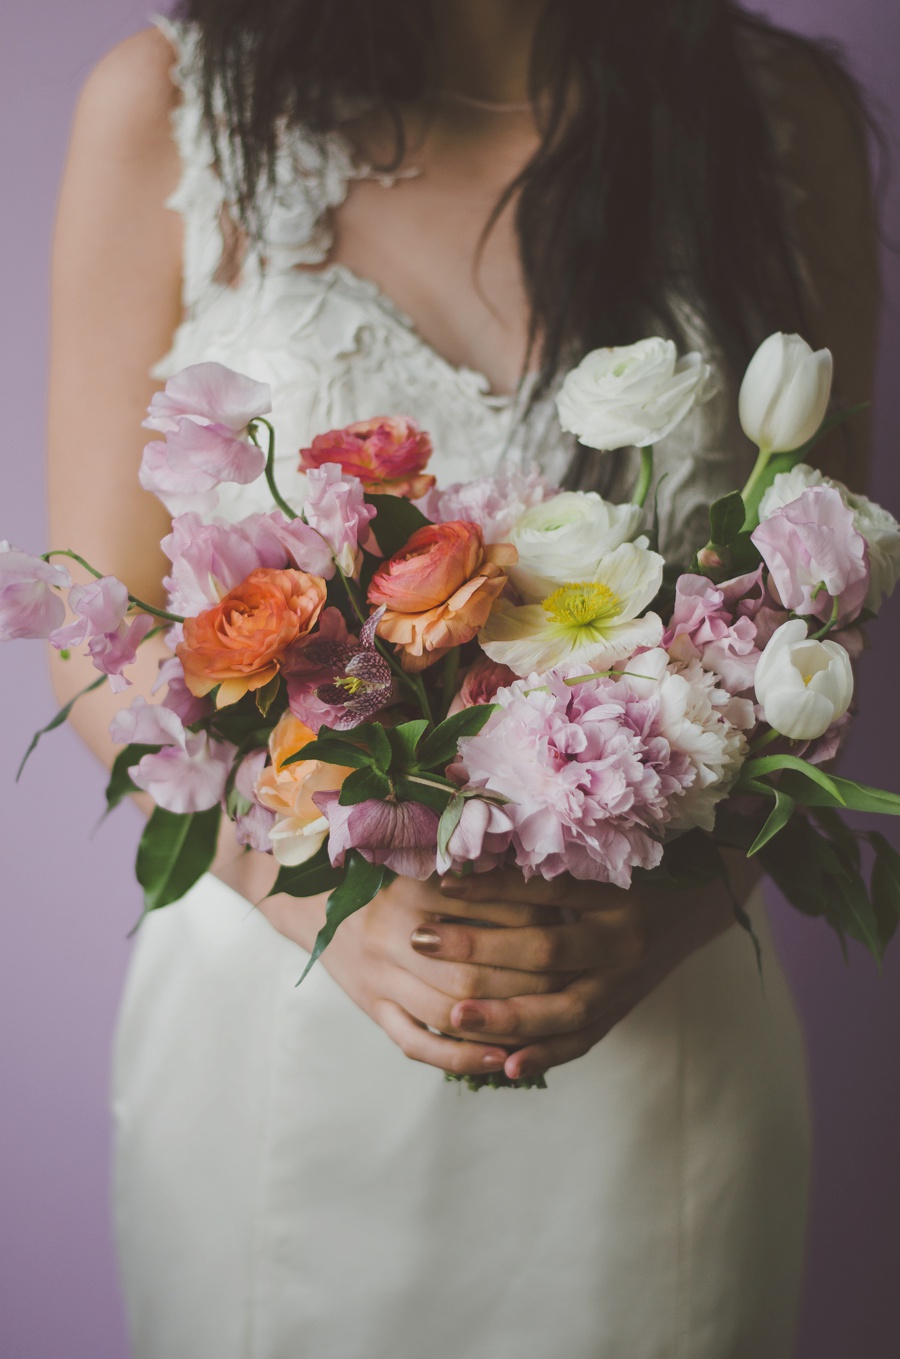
(69, 899)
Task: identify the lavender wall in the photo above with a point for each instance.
(63, 946)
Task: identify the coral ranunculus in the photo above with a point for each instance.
(240, 642)
(387, 454)
(439, 590)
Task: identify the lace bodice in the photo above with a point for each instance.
(335, 349)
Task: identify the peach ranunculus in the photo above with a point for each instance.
(387, 454)
(438, 590)
(482, 680)
(240, 642)
(287, 790)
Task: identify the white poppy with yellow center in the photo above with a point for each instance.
(596, 621)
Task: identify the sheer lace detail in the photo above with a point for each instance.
(334, 348)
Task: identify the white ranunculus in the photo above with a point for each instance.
(802, 685)
(785, 393)
(566, 538)
(596, 620)
(879, 528)
(632, 395)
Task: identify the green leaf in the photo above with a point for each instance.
(310, 878)
(856, 797)
(396, 520)
(333, 750)
(58, 720)
(404, 740)
(267, 695)
(885, 887)
(450, 818)
(239, 727)
(364, 784)
(726, 519)
(441, 745)
(837, 830)
(120, 784)
(777, 819)
(692, 860)
(361, 882)
(773, 764)
(373, 737)
(174, 852)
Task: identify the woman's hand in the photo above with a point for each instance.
(619, 948)
(409, 993)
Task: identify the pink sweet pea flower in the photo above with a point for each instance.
(815, 555)
(178, 696)
(204, 412)
(101, 606)
(29, 604)
(147, 724)
(482, 838)
(400, 835)
(252, 827)
(186, 778)
(335, 507)
(703, 627)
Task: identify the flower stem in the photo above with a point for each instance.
(832, 622)
(645, 476)
(98, 575)
(763, 741)
(752, 492)
(270, 467)
(451, 674)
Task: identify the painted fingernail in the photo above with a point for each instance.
(454, 887)
(425, 941)
(469, 1017)
(493, 1061)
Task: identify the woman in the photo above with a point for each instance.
(406, 207)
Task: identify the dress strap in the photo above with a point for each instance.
(312, 173)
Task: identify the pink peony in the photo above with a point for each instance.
(29, 604)
(815, 555)
(335, 507)
(204, 412)
(494, 503)
(102, 606)
(588, 771)
(703, 627)
(387, 454)
(400, 835)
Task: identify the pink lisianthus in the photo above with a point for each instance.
(703, 627)
(101, 606)
(588, 771)
(481, 839)
(387, 454)
(494, 503)
(209, 559)
(335, 507)
(481, 682)
(400, 835)
(204, 412)
(29, 604)
(815, 556)
(188, 773)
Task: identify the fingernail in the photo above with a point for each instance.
(425, 941)
(454, 887)
(525, 1069)
(469, 1017)
(493, 1061)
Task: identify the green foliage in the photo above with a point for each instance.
(404, 741)
(58, 720)
(885, 886)
(267, 695)
(120, 784)
(855, 797)
(450, 818)
(364, 784)
(777, 820)
(726, 519)
(175, 850)
(361, 882)
(440, 746)
(310, 878)
(396, 520)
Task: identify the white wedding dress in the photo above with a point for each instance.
(288, 1184)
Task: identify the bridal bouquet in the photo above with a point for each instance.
(400, 678)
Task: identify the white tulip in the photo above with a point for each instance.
(632, 395)
(785, 393)
(802, 685)
(566, 538)
(879, 528)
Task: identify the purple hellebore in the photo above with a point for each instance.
(400, 835)
(29, 604)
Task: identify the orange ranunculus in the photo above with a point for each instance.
(287, 790)
(239, 643)
(438, 590)
(387, 454)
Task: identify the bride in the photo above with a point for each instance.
(433, 208)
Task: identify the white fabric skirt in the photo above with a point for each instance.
(289, 1186)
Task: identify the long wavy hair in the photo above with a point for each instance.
(657, 180)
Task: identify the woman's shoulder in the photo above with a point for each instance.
(129, 94)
